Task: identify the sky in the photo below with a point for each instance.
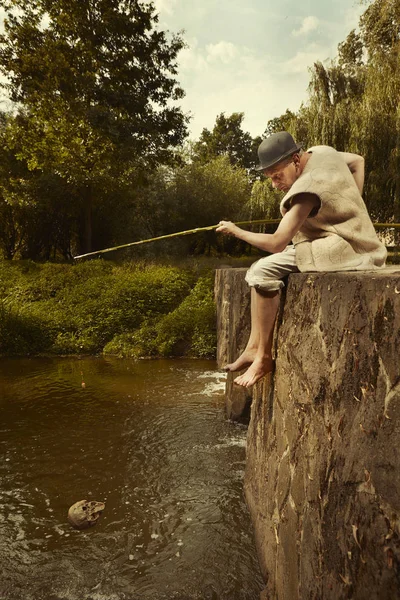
(252, 56)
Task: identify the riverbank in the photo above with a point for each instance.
(133, 309)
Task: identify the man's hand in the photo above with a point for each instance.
(302, 205)
(228, 227)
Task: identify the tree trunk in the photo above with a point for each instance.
(397, 184)
(88, 216)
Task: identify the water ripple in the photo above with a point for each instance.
(150, 440)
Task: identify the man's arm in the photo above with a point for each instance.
(356, 163)
(302, 205)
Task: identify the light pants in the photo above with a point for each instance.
(267, 273)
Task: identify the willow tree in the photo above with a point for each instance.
(377, 121)
(334, 91)
(263, 203)
(354, 104)
(92, 82)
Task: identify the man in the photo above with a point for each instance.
(325, 217)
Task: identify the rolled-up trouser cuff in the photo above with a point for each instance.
(267, 273)
(266, 285)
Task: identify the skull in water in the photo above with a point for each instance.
(85, 513)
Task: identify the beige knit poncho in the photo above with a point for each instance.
(340, 237)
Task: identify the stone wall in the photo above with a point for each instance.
(232, 298)
(323, 455)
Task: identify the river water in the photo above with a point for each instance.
(148, 438)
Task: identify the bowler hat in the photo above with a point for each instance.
(275, 148)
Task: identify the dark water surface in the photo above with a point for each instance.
(148, 438)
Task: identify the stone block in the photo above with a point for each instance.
(322, 477)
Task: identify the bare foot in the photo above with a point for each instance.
(244, 360)
(259, 368)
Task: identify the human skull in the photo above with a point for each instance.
(85, 513)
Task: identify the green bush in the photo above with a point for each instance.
(189, 330)
(20, 334)
(179, 332)
(136, 344)
(134, 309)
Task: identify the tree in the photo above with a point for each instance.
(38, 209)
(227, 139)
(194, 195)
(283, 123)
(379, 26)
(380, 108)
(92, 81)
(264, 201)
(354, 105)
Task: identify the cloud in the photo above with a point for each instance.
(309, 24)
(194, 59)
(237, 64)
(225, 77)
(302, 60)
(352, 16)
(222, 51)
(165, 6)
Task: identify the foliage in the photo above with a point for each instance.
(188, 330)
(354, 105)
(195, 195)
(94, 114)
(37, 209)
(92, 80)
(20, 333)
(191, 326)
(283, 123)
(227, 139)
(61, 309)
(264, 201)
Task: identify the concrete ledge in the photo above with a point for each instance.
(323, 455)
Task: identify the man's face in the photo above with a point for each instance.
(284, 174)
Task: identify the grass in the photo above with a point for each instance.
(134, 309)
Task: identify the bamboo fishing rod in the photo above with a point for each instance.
(209, 228)
(171, 235)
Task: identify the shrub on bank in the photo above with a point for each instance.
(132, 309)
(188, 330)
(22, 334)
